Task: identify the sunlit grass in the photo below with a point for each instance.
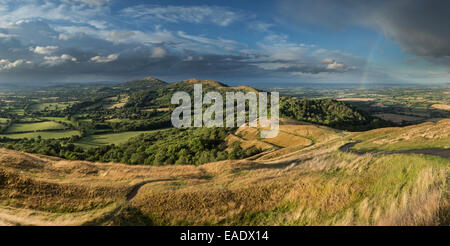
(109, 138)
(39, 126)
(43, 135)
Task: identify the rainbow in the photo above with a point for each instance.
(375, 46)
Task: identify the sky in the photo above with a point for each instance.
(289, 41)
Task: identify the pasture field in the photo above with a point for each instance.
(58, 119)
(19, 112)
(31, 127)
(29, 120)
(53, 106)
(109, 138)
(356, 99)
(44, 135)
(116, 102)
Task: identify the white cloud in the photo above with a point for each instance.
(105, 59)
(191, 14)
(158, 52)
(7, 65)
(327, 61)
(260, 26)
(91, 3)
(336, 66)
(277, 47)
(333, 65)
(77, 11)
(63, 36)
(226, 44)
(98, 24)
(44, 50)
(6, 35)
(57, 60)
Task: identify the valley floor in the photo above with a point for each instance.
(307, 178)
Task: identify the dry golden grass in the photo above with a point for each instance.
(441, 106)
(248, 133)
(206, 82)
(315, 192)
(158, 109)
(304, 185)
(246, 88)
(292, 135)
(287, 139)
(120, 104)
(316, 133)
(421, 136)
(245, 144)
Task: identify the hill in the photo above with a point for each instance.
(436, 136)
(320, 111)
(316, 183)
(329, 112)
(106, 126)
(160, 96)
(144, 84)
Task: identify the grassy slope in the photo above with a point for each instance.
(422, 136)
(315, 185)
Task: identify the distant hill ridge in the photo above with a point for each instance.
(154, 83)
(213, 83)
(145, 83)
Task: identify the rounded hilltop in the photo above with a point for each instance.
(154, 83)
(206, 82)
(145, 83)
(150, 78)
(218, 84)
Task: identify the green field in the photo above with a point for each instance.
(58, 119)
(29, 120)
(31, 127)
(44, 135)
(51, 106)
(20, 112)
(115, 120)
(105, 139)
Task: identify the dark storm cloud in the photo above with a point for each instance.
(54, 41)
(421, 27)
(50, 55)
